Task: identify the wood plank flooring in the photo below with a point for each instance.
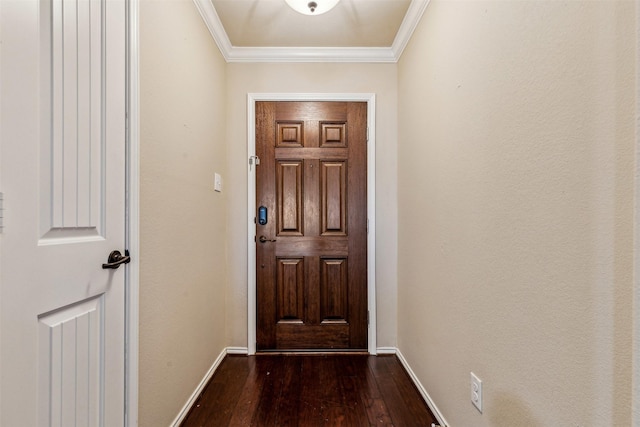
(309, 391)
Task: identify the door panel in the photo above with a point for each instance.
(290, 289)
(63, 178)
(311, 260)
(334, 298)
(289, 198)
(333, 185)
(69, 361)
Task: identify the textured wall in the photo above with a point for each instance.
(515, 177)
(183, 265)
(314, 78)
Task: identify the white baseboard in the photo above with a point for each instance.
(238, 350)
(386, 350)
(194, 396)
(421, 389)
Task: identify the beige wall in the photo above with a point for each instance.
(314, 78)
(515, 165)
(183, 262)
(504, 205)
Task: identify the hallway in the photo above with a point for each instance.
(505, 188)
(310, 390)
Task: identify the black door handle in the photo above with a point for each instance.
(116, 259)
(264, 239)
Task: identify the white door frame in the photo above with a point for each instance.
(132, 239)
(635, 407)
(370, 99)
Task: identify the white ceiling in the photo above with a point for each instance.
(354, 31)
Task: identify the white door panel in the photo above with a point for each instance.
(62, 174)
(69, 346)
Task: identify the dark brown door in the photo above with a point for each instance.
(311, 255)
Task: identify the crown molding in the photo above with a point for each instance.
(213, 23)
(311, 54)
(408, 26)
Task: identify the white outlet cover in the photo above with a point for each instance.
(476, 392)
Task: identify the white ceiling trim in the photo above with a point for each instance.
(311, 54)
(408, 26)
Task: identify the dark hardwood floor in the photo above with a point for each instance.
(310, 390)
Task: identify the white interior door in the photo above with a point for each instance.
(62, 175)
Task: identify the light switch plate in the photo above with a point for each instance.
(217, 183)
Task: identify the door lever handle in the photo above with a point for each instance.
(116, 259)
(264, 239)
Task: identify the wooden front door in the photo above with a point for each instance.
(311, 236)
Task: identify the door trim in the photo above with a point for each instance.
(635, 409)
(370, 99)
(132, 212)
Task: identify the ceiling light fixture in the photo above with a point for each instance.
(312, 7)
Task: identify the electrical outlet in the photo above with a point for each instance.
(476, 391)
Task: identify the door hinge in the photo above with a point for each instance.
(253, 160)
(367, 134)
(367, 317)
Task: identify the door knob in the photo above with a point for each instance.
(264, 239)
(116, 259)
